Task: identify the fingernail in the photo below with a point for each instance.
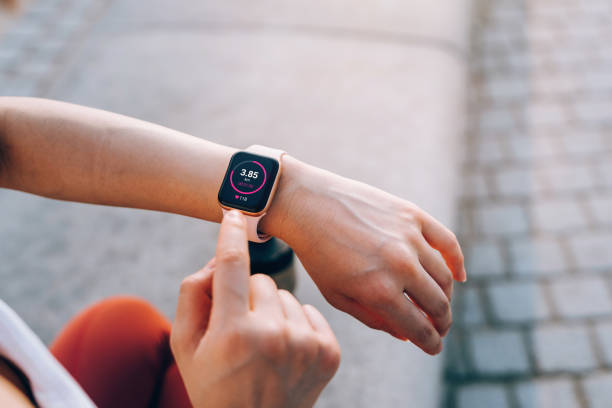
(235, 214)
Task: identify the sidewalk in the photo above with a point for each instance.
(373, 92)
(533, 326)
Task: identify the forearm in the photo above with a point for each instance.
(69, 152)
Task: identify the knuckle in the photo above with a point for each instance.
(413, 234)
(399, 257)
(446, 282)
(410, 215)
(231, 256)
(440, 309)
(304, 344)
(330, 356)
(237, 342)
(427, 337)
(273, 341)
(381, 292)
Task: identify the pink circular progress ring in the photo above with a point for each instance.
(254, 191)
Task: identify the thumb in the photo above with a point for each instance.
(231, 278)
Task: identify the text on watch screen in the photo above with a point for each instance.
(248, 182)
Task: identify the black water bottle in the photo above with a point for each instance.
(274, 258)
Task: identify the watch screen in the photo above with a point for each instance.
(248, 182)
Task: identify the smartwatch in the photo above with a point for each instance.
(249, 185)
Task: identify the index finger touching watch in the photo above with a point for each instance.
(249, 185)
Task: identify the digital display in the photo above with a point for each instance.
(248, 182)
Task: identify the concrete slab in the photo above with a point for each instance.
(340, 104)
(420, 21)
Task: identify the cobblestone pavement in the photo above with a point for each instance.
(534, 321)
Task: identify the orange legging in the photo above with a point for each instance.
(118, 351)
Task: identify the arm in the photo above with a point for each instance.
(69, 152)
(12, 392)
(364, 248)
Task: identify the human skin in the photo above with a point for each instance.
(240, 342)
(365, 249)
(12, 391)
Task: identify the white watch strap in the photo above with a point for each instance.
(252, 222)
(266, 151)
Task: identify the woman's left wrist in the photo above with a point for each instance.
(282, 207)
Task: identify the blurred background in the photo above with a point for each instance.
(494, 116)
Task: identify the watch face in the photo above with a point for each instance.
(248, 182)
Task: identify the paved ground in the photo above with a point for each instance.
(302, 77)
(534, 322)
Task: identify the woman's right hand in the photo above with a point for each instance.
(240, 342)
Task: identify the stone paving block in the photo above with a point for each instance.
(482, 396)
(533, 148)
(563, 349)
(570, 177)
(484, 258)
(546, 113)
(499, 352)
(567, 60)
(503, 89)
(541, 37)
(604, 336)
(501, 219)
(489, 151)
(594, 112)
(518, 302)
(536, 256)
(494, 120)
(597, 82)
(583, 142)
(512, 182)
(453, 348)
(474, 185)
(553, 84)
(581, 297)
(592, 250)
(487, 65)
(600, 207)
(557, 215)
(598, 390)
(495, 40)
(472, 311)
(547, 393)
(604, 54)
(605, 170)
(517, 62)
